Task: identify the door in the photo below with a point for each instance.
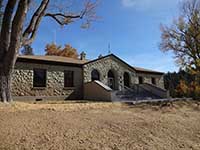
(111, 79)
(111, 83)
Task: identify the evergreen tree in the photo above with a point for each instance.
(175, 80)
(27, 50)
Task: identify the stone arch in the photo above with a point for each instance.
(95, 75)
(126, 79)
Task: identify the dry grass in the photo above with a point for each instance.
(69, 125)
(54, 105)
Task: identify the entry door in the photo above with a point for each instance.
(111, 83)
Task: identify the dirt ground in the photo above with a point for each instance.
(102, 126)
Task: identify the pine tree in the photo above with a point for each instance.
(27, 50)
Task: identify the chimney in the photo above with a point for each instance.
(83, 56)
(100, 56)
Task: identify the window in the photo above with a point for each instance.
(68, 79)
(39, 78)
(126, 79)
(95, 75)
(153, 81)
(141, 80)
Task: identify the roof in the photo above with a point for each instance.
(50, 59)
(137, 69)
(143, 70)
(59, 60)
(111, 55)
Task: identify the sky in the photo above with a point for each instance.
(130, 27)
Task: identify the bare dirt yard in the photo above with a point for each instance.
(104, 126)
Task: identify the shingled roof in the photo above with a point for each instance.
(71, 61)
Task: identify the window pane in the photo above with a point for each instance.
(68, 79)
(39, 78)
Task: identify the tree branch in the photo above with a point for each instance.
(65, 19)
(63, 15)
(34, 31)
(37, 15)
(60, 18)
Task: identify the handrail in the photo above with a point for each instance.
(128, 88)
(150, 91)
(154, 86)
(155, 90)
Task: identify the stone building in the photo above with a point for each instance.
(55, 77)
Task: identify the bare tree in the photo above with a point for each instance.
(183, 37)
(14, 34)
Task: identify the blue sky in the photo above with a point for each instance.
(132, 27)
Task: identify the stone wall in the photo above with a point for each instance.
(147, 79)
(104, 65)
(111, 63)
(22, 83)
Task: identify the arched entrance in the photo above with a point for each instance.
(111, 79)
(95, 75)
(126, 79)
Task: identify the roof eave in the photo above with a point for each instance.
(150, 72)
(48, 62)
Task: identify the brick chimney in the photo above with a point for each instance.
(83, 56)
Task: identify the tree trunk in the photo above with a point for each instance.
(5, 87)
(10, 43)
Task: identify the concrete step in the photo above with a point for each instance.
(132, 95)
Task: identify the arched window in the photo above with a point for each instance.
(126, 79)
(95, 75)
